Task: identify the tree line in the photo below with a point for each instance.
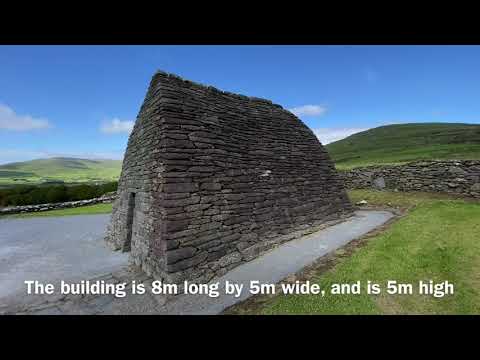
(34, 195)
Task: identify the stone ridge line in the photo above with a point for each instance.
(217, 90)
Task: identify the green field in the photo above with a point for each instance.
(83, 210)
(437, 240)
(68, 170)
(392, 144)
(397, 144)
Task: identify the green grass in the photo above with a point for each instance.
(60, 169)
(397, 144)
(438, 240)
(83, 210)
(397, 198)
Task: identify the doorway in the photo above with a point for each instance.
(127, 246)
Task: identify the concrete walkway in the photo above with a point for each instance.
(49, 249)
(74, 249)
(280, 262)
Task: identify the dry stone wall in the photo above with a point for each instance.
(460, 177)
(104, 199)
(212, 179)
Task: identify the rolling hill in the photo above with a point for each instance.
(396, 144)
(391, 144)
(60, 169)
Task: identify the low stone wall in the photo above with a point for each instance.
(107, 198)
(460, 177)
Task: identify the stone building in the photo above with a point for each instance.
(211, 179)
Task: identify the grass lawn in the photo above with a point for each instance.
(83, 210)
(438, 239)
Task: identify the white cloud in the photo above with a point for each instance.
(9, 120)
(309, 110)
(117, 126)
(327, 136)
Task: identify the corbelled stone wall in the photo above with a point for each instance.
(460, 177)
(212, 179)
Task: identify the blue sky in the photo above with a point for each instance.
(82, 100)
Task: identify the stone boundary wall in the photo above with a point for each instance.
(107, 198)
(459, 177)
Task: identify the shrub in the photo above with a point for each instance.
(42, 194)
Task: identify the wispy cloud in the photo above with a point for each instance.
(117, 126)
(309, 110)
(9, 120)
(327, 136)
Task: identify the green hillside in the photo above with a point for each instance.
(59, 169)
(392, 144)
(396, 144)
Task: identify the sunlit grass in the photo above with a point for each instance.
(438, 240)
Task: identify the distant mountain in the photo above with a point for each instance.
(407, 142)
(60, 169)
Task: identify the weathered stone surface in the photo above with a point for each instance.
(379, 183)
(187, 263)
(180, 202)
(227, 260)
(210, 186)
(180, 187)
(183, 253)
(173, 226)
(459, 177)
(211, 179)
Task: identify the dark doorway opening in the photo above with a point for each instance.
(127, 246)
